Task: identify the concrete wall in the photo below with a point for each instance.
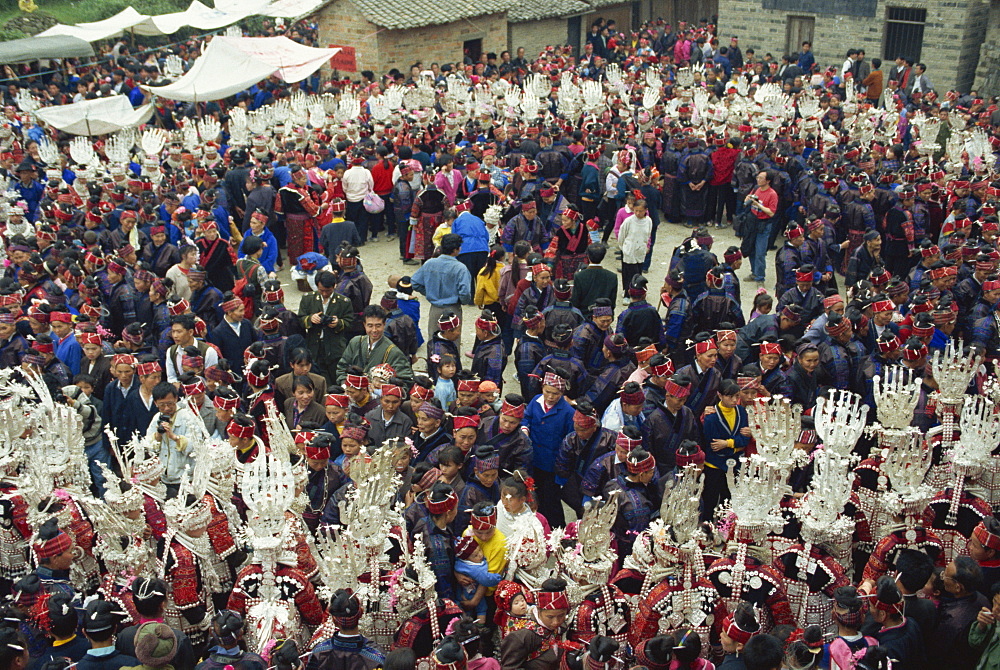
(534, 36)
(442, 43)
(952, 32)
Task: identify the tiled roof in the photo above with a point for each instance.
(533, 10)
(403, 14)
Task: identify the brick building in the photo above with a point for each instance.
(395, 33)
(944, 35)
(389, 34)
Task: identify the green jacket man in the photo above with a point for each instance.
(327, 317)
(374, 348)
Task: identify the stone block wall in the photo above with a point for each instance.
(988, 71)
(534, 36)
(952, 31)
(441, 43)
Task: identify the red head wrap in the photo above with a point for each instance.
(240, 431)
(882, 306)
(467, 386)
(697, 457)
(226, 404)
(442, 506)
(515, 411)
(637, 467)
(466, 422)
(704, 346)
(770, 348)
(555, 381)
(985, 537)
(356, 381)
(53, 546)
(552, 600)
(148, 368)
(735, 633)
(484, 521)
(676, 390)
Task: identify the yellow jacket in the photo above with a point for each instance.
(487, 287)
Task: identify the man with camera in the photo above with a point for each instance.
(171, 430)
(327, 316)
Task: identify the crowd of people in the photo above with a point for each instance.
(196, 474)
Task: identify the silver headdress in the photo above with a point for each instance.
(54, 454)
(587, 564)
(762, 481)
(121, 541)
(840, 421)
(268, 489)
(672, 544)
(345, 554)
(971, 455)
(953, 370)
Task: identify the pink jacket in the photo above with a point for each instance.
(682, 51)
(449, 186)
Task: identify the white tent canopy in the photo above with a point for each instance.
(197, 15)
(99, 30)
(95, 117)
(232, 64)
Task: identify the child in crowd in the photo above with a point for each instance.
(512, 601)
(763, 303)
(444, 389)
(450, 462)
(474, 577)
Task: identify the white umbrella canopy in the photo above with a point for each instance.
(95, 117)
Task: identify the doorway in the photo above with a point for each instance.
(472, 50)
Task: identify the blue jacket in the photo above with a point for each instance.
(546, 430)
(716, 428)
(270, 254)
(472, 230)
(69, 352)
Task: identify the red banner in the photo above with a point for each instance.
(346, 60)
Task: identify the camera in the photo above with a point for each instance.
(163, 418)
(326, 320)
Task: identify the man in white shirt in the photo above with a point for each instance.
(182, 332)
(357, 182)
(848, 65)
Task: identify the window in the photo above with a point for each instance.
(799, 30)
(904, 33)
